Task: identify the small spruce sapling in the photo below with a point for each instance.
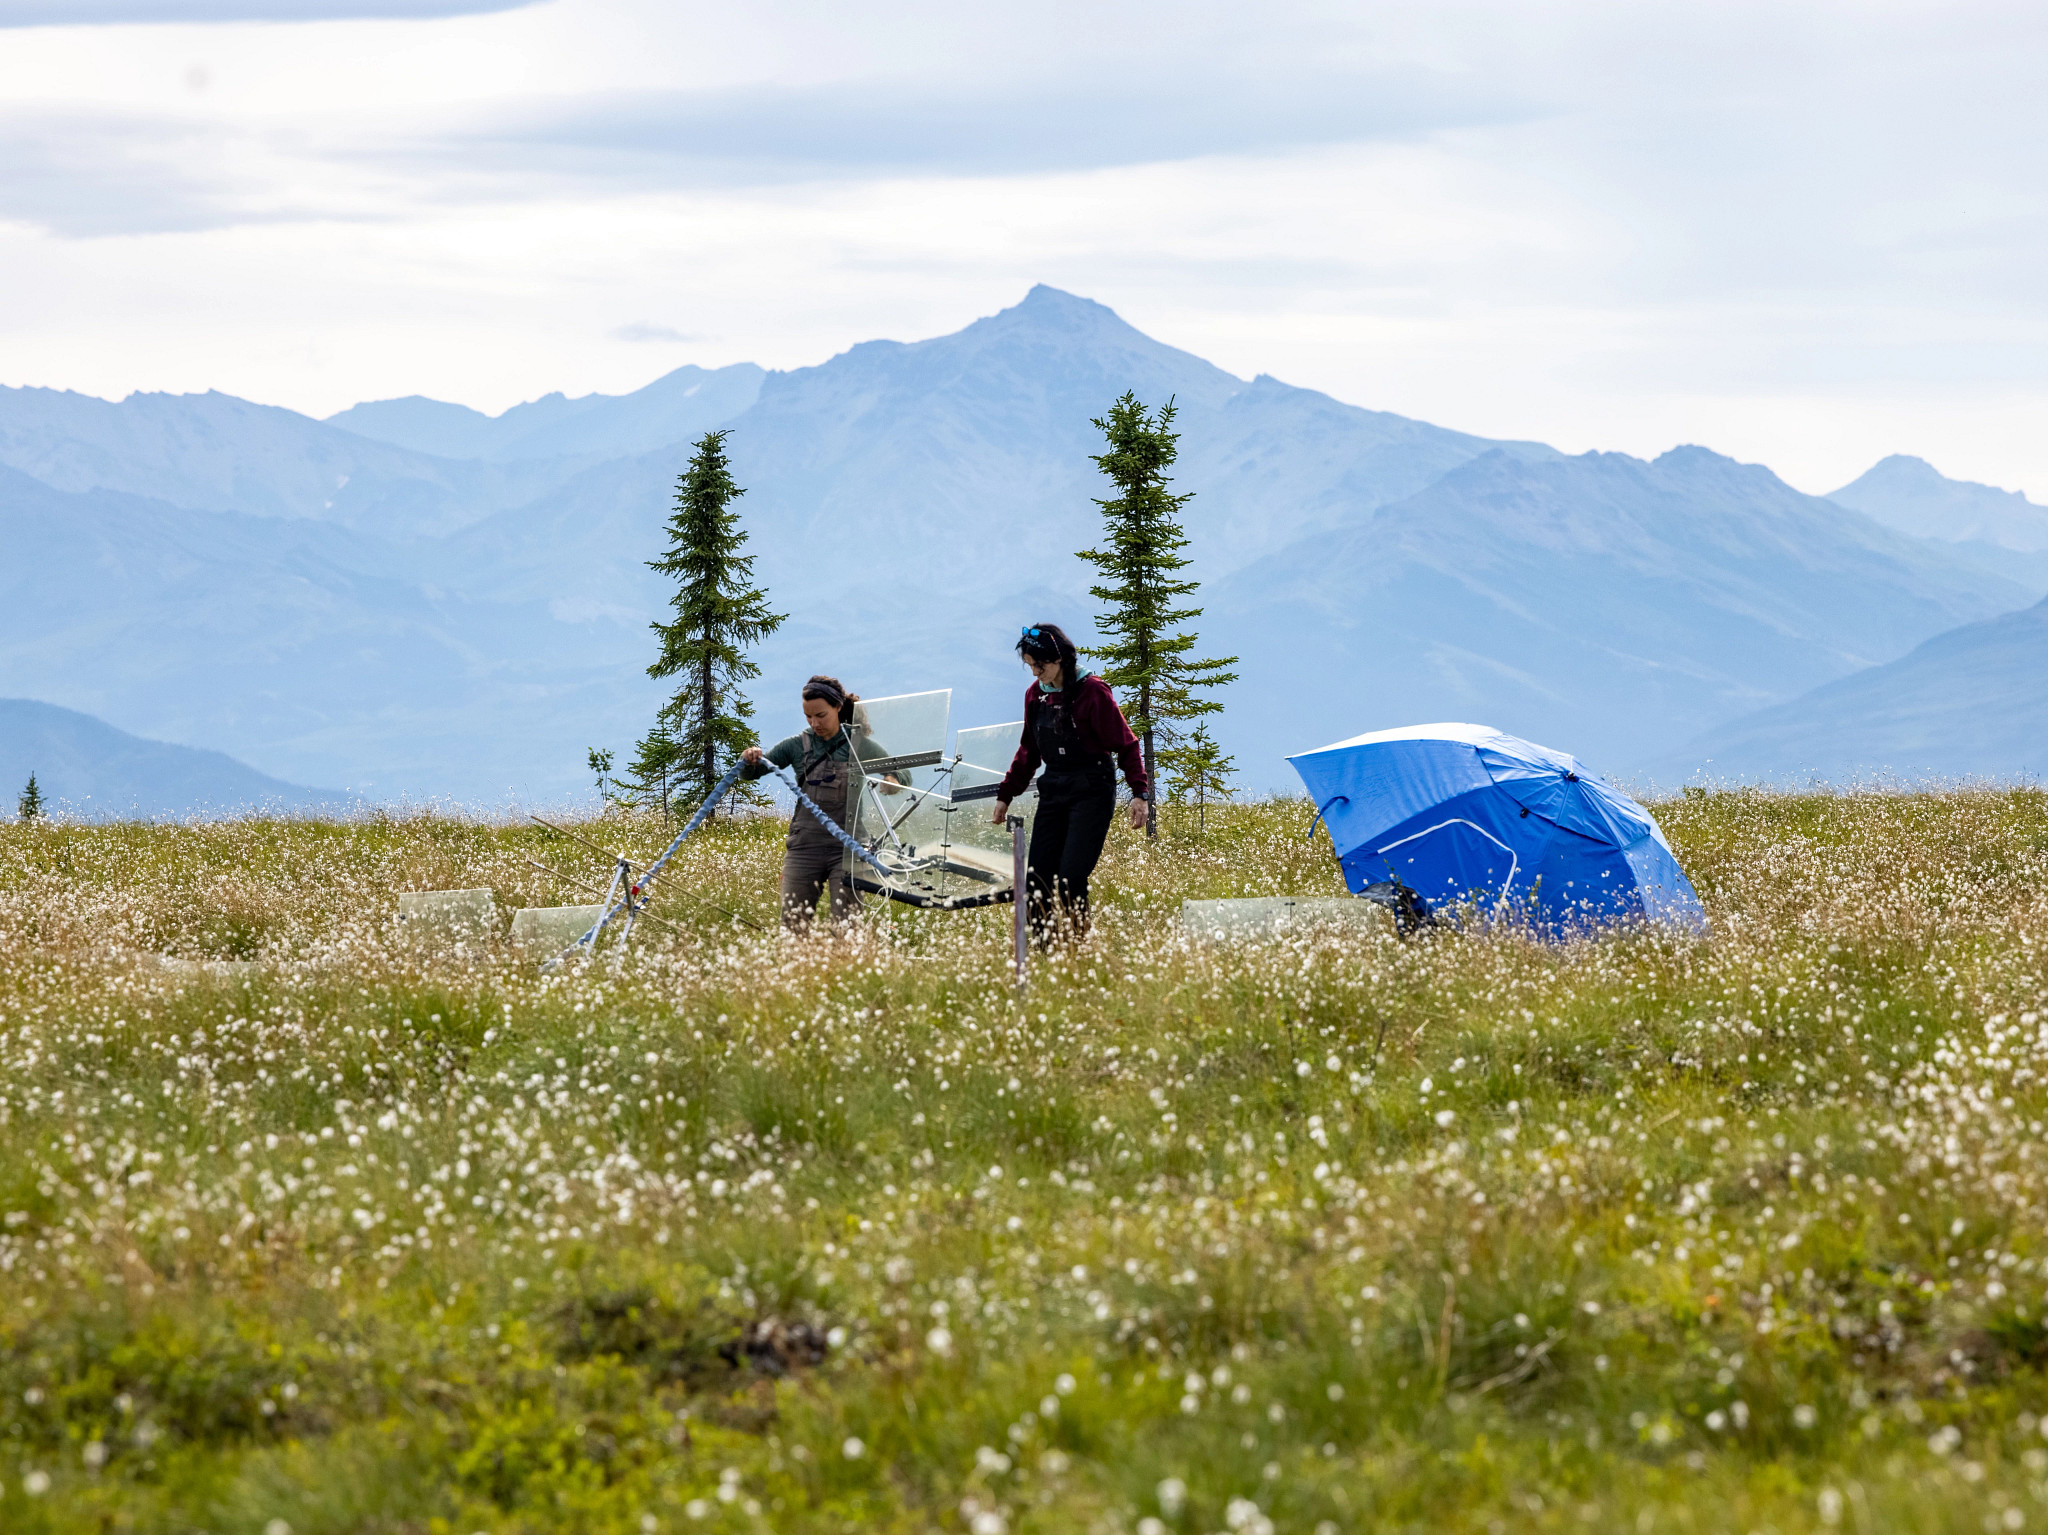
(30, 805)
(719, 614)
(600, 762)
(1197, 771)
(659, 746)
(1145, 656)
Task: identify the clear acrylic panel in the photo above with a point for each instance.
(940, 850)
(902, 725)
(907, 724)
(983, 756)
(985, 752)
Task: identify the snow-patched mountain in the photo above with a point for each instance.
(909, 505)
(1966, 704)
(86, 768)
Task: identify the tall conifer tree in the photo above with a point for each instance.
(1145, 656)
(719, 614)
(30, 805)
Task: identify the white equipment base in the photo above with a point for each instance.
(1263, 916)
(553, 927)
(448, 913)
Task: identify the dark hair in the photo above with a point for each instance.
(829, 690)
(1049, 642)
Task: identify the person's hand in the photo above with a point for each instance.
(751, 757)
(1002, 813)
(1138, 809)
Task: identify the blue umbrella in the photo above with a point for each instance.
(1462, 815)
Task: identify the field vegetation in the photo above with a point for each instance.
(315, 1224)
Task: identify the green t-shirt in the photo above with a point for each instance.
(804, 750)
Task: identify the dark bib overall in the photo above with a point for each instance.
(813, 858)
(825, 779)
(1076, 803)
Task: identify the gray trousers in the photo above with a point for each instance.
(810, 863)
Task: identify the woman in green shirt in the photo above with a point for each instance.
(821, 758)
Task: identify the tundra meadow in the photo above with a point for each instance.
(312, 1224)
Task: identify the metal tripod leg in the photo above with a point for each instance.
(1020, 903)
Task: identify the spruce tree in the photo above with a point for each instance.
(719, 613)
(30, 805)
(1145, 656)
(1197, 771)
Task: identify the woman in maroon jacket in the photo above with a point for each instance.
(1073, 727)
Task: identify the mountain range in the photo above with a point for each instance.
(416, 599)
(1966, 704)
(1914, 497)
(1998, 530)
(1598, 600)
(674, 408)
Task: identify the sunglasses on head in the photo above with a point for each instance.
(1033, 634)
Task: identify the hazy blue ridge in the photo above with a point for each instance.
(1911, 495)
(2029, 568)
(1598, 603)
(302, 647)
(677, 407)
(909, 506)
(421, 425)
(1968, 704)
(88, 769)
(987, 434)
(970, 453)
(213, 452)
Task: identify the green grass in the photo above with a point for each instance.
(1330, 1231)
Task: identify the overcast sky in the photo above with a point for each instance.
(1804, 234)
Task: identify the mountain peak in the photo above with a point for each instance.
(1046, 309)
(1046, 298)
(1900, 469)
(1097, 338)
(1903, 470)
(1911, 495)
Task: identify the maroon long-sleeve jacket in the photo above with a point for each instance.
(1101, 727)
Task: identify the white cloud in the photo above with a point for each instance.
(1802, 234)
(646, 330)
(92, 13)
(867, 128)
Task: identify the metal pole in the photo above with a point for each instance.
(1020, 909)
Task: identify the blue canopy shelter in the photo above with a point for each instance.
(1462, 815)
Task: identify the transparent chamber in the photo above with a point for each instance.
(925, 812)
